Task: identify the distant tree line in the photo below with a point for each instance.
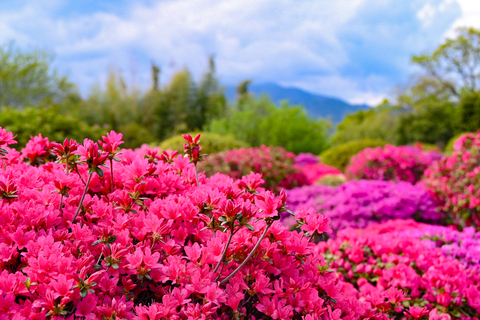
(439, 102)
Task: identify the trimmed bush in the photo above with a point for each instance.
(211, 143)
(339, 156)
(404, 163)
(455, 181)
(358, 204)
(276, 165)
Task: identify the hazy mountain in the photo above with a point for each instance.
(316, 105)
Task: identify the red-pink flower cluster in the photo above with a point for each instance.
(455, 181)
(276, 165)
(315, 172)
(404, 163)
(400, 275)
(154, 245)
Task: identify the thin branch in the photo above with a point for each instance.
(83, 197)
(196, 174)
(76, 169)
(249, 255)
(111, 174)
(224, 253)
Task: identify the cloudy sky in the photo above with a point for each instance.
(354, 49)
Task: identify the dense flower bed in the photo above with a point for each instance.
(148, 238)
(404, 163)
(360, 203)
(454, 181)
(400, 274)
(276, 165)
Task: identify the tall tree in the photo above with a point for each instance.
(453, 66)
(27, 78)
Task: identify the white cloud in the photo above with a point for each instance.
(285, 41)
(470, 16)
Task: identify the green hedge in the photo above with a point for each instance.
(210, 142)
(47, 121)
(340, 155)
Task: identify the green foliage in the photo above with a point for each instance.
(453, 66)
(432, 123)
(179, 106)
(339, 156)
(468, 113)
(380, 123)
(441, 100)
(47, 121)
(211, 143)
(135, 135)
(449, 147)
(260, 122)
(27, 78)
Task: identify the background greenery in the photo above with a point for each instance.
(440, 101)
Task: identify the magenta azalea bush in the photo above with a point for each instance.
(304, 159)
(106, 233)
(455, 182)
(404, 163)
(360, 203)
(276, 165)
(399, 273)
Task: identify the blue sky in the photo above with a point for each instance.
(358, 50)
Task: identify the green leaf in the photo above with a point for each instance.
(97, 242)
(28, 283)
(250, 227)
(99, 171)
(112, 239)
(115, 266)
(97, 267)
(83, 292)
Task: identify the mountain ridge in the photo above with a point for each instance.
(316, 105)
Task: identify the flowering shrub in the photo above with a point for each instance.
(462, 245)
(315, 172)
(360, 203)
(304, 159)
(106, 233)
(276, 165)
(404, 163)
(454, 181)
(401, 275)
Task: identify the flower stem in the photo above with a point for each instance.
(61, 202)
(83, 197)
(224, 253)
(76, 169)
(196, 174)
(249, 255)
(111, 173)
